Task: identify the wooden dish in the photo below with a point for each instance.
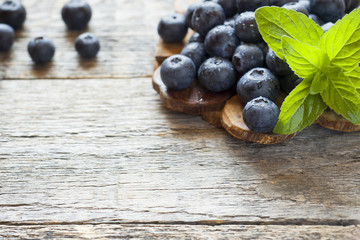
(180, 6)
(331, 120)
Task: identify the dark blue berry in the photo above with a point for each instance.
(289, 82)
(296, 6)
(276, 65)
(207, 16)
(217, 74)
(7, 37)
(189, 13)
(87, 45)
(258, 82)
(352, 4)
(247, 57)
(328, 10)
(221, 41)
(76, 14)
(196, 52)
(41, 50)
(246, 28)
(229, 6)
(178, 72)
(13, 13)
(261, 115)
(196, 37)
(281, 2)
(172, 28)
(250, 5)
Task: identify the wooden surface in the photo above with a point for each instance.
(87, 151)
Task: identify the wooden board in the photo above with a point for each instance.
(180, 6)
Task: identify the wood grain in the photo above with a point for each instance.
(196, 232)
(329, 119)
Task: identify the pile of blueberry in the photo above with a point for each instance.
(227, 51)
(76, 15)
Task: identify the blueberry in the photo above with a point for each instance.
(281, 2)
(41, 50)
(229, 6)
(178, 72)
(258, 82)
(189, 13)
(246, 28)
(217, 74)
(316, 19)
(196, 52)
(13, 13)
(172, 28)
(263, 46)
(207, 16)
(221, 41)
(7, 37)
(231, 21)
(87, 45)
(250, 5)
(261, 115)
(76, 14)
(328, 10)
(352, 4)
(196, 37)
(247, 57)
(289, 82)
(296, 6)
(325, 27)
(276, 65)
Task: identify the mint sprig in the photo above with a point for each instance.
(329, 64)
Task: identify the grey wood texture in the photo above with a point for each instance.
(100, 156)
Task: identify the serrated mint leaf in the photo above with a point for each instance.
(275, 22)
(302, 58)
(319, 83)
(342, 96)
(354, 76)
(342, 41)
(300, 109)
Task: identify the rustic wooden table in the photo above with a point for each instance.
(87, 151)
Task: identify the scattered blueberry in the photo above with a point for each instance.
(258, 82)
(178, 72)
(87, 45)
(7, 37)
(41, 50)
(196, 37)
(276, 65)
(217, 74)
(328, 10)
(247, 57)
(221, 41)
(13, 13)
(207, 16)
(246, 28)
(289, 82)
(325, 27)
(76, 14)
(172, 28)
(261, 115)
(250, 5)
(196, 52)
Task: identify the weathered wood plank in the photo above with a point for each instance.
(105, 231)
(126, 29)
(108, 150)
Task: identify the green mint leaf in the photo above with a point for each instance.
(302, 58)
(300, 109)
(275, 22)
(319, 83)
(354, 77)
(342, 41)
(342, 96)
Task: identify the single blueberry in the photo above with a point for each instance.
(250, 5)
(189, 13)
(196, 52)
(178, 72)
(196, 37)
(221, 41)
(76, 14)
(172, 28)
(7, 37)
(328, 10)
(13, 13)
(246, 28)
(207, 16)
(276, 65)
(217, 74)
(289, 82)
(258, 82)
(261, 115)
(326, 27)
(247, 57)
(87, 45)
(41, 50)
